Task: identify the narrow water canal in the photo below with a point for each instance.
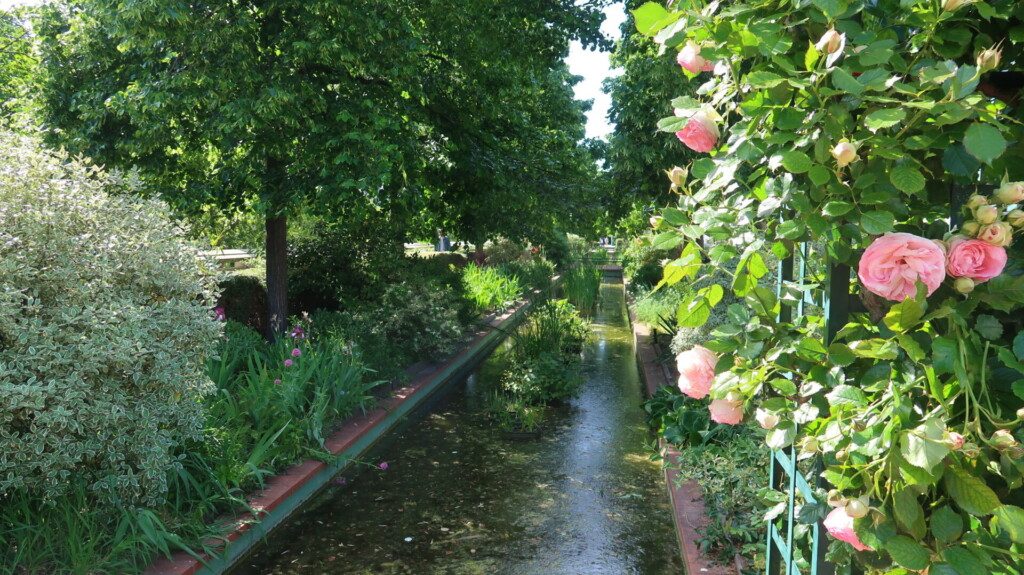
(458, 498)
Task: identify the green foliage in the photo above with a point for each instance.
(641, 263)
(544, 366)
(273, 406)
(18, 69)
(490, 288)
(727, 462)
(243, 297)
(335, 264)
(105, 322)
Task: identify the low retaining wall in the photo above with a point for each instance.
(686, 497)
(284, 494)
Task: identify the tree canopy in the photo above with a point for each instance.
(454, 115)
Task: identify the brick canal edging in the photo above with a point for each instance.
(686, 497)
(284, 494)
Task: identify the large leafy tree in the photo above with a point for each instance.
(17, 66)
(348, 109)
(638, 154)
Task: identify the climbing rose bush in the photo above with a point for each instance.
(106, 319)
(878, 147)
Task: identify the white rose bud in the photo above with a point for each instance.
(676, 175)
(830, 42)
(963, 285)
(1020, 413)
(766, 419)
(1015, 218)
(836, 499)
(733, 397)
(845, 153)
(989, 59)
(986, 214)
(951, 5)
(976, 201)
(856, 508)
(1010, 193)
(997, 234)
(970, 228)
(655, 221)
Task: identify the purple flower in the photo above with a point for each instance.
(296, 352)
(340, 481)
(218, 313)
(383, 466)
(277, 382)
(288, 363)
(298, 332)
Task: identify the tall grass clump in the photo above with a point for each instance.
(580, 286)
(490, 288)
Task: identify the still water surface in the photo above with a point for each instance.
(459, 498)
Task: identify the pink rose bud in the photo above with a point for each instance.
(856, 508)
(845, 153)
(696, 371)
(986, 214)
(839, 524)
(894, 263)
(976, 201)
(296, 352)
(1010, 193)
(964, 285)
(974, 259)
(725, 411)
(997, 234)
(989, 59)
(766, 419)
(956, 441)
(691, 60)
(1015, 218)
(700, 134)
(971, 228)
(383, 466)
(288, 363)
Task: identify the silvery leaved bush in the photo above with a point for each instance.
(106, 319)
(880, 141)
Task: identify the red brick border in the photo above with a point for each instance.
(687, 501)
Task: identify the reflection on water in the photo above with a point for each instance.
(460, 499)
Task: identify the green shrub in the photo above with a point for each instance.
(556, 248)
(546, 378)
(490, 288)
(533, 273)
(243, 297)
(641, 263)
(503, 251)
(105, 323)
(338, 263)
(554, 325)
(652, 307)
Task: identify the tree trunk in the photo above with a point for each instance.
(277, 276)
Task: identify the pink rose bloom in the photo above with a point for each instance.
(288, 363)
(700, 134)
(296, 352)
(893, 263)
(696, 371)
(690, 59)
(975, 259)
(218, 313)
(725, 411)
(840, 525)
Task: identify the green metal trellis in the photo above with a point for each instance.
(784, 474)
